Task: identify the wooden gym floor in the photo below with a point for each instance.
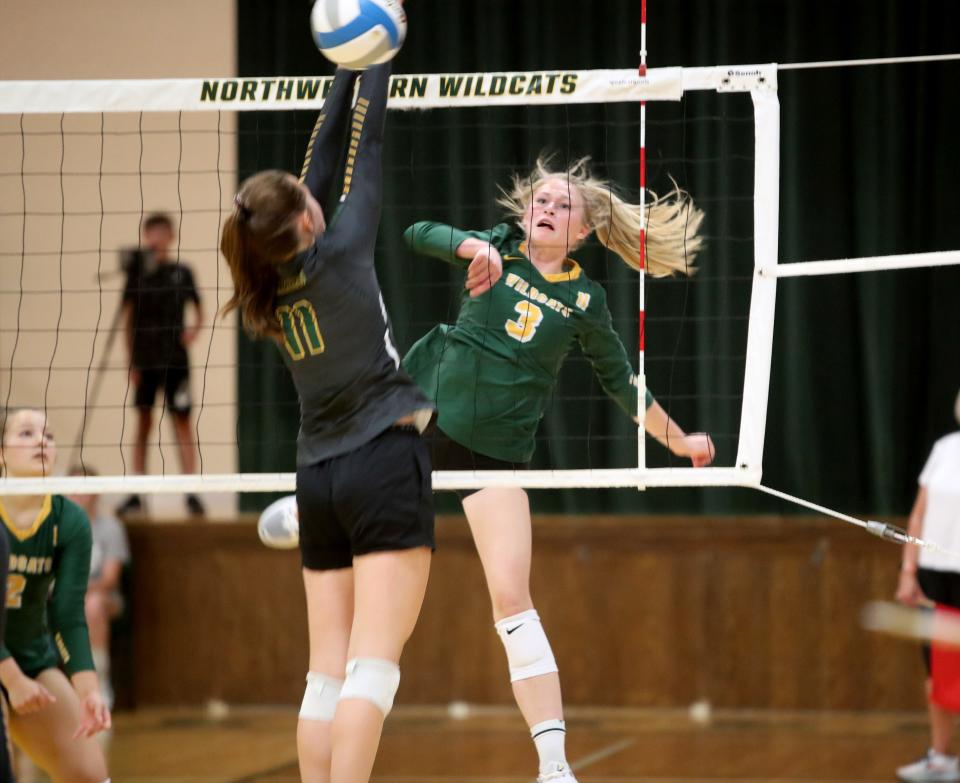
(427, 745)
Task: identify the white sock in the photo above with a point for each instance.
(550, 737)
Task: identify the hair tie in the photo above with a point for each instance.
(242, 208)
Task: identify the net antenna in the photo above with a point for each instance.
(641, 374)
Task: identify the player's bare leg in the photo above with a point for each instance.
(499, 520)
(388, 593)
(132, 504)
(144, 425)
(100, 608)
(47, 735)
(329, 619)
(185, 436)
(941, 725)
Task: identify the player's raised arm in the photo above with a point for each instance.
(603, 348)
(323, 152)
(453, 245)
(355, 225)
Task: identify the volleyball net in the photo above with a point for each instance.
(82, 164)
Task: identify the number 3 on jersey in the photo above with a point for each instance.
(525, 326)
(300, 328)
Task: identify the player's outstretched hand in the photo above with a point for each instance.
(28, 696)
(484, 270)
(698, 446)
(94, 716)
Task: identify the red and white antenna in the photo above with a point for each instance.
(641, 376)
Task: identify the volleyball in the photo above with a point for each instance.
(279, 524)
(358, 33)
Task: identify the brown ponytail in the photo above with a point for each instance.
(259, 234)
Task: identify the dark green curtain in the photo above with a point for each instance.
(865, 367)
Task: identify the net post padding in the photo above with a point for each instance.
(763, 296)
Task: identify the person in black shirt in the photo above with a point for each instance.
(155, 298)
(364, 490)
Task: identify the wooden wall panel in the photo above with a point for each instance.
(748, 612)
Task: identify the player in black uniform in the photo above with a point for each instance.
(363, 473)
(159, 287)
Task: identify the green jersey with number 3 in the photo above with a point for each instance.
(491, 373)
(46, 586)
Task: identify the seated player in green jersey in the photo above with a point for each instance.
(492, 373)
(52, 718)
(6, 770)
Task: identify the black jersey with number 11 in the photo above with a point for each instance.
(336, 334)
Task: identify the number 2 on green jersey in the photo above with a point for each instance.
(525, 326)
(16, 584)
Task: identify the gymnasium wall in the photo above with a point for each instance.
(104, 39)
(752, 612)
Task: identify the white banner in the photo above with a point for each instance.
(412, 91)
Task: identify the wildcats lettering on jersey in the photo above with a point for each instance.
(290, 284)
(22, 564)
(534, 294)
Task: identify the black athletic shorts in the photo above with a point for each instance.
(175, 380)
(377, 498)
(941, 587)
(447, 454)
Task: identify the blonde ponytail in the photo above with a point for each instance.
(673, 220)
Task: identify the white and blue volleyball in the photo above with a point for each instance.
(358, 33)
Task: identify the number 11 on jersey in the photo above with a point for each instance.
(300, 328)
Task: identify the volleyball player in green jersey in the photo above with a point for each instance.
(6, 769)
(491, 374)
(53, 718)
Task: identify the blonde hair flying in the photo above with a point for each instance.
(672, 220)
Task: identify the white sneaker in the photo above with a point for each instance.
(560, 773)
(279, 524)
(933, 766)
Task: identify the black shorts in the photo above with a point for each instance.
(377, 498)
(941, 587)
(447, 454)
(175, 380)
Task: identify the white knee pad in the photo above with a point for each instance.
(320, 697)
(373, 679)
(528, 651)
